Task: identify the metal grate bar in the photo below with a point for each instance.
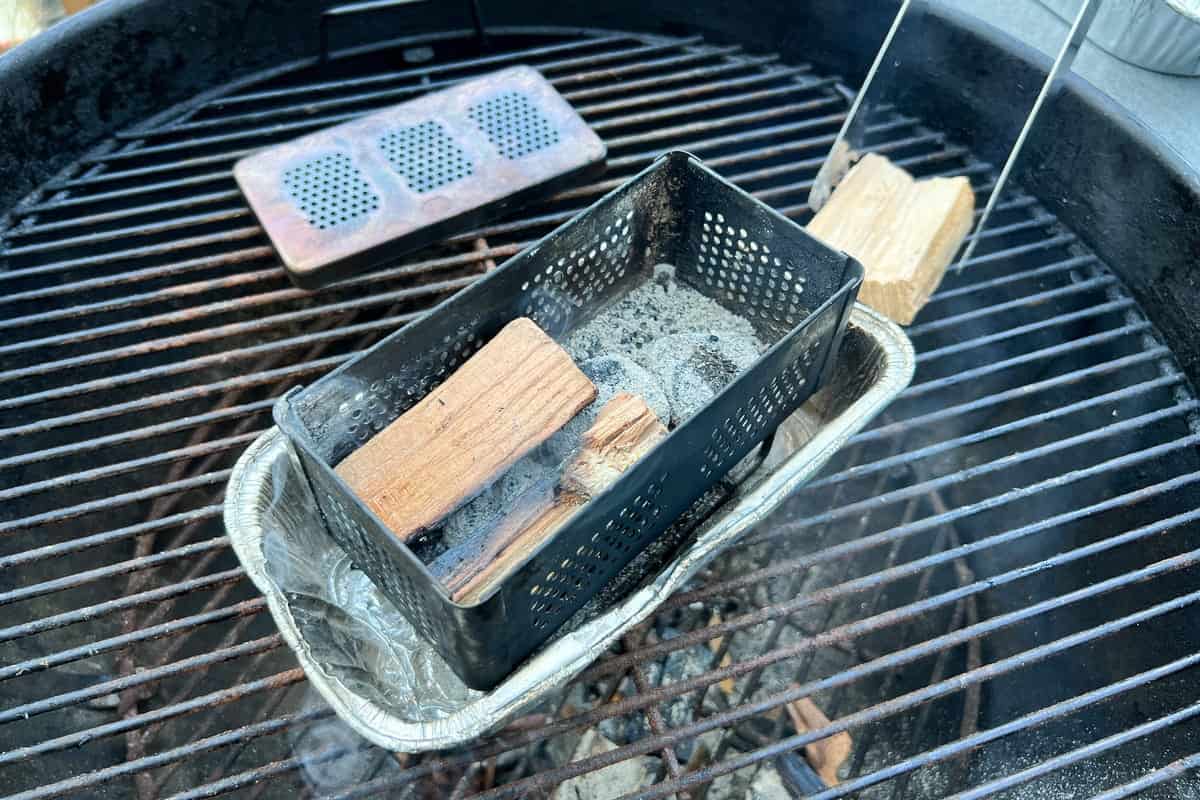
(108, 537)
(383, 97)
(1042, 716)
(92, 284)
(1020, 330)
(667, 788)
(177, 754)
(858, 471)
(292, 129)
(701, 635)
(896, 536)
(1173, 771)
(941, 384)
(251, 301)
(553, 777)
(122, 194)
(224, 237)
(121, 233)
(113, 606)
(1088, 751)
(85, 577)
(182, 625)
(1006, 497)
(147, 676)
(148, 432)
(39, 229)
(204, 702)
(1066, 379)
(639, 51)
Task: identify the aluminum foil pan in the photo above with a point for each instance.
(1162, 35)
(363, 656)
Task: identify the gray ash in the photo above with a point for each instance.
(663, 340)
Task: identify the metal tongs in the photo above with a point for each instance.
(850, 144)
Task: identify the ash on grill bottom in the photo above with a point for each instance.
(991, 589)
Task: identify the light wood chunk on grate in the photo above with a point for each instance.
(904, 231)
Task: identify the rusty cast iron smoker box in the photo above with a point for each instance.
(347, 198)
(796, 291)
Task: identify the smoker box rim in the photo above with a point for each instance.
(314, 259)
(250, 491)
(851, 279)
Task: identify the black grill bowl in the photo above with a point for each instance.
(148, 330)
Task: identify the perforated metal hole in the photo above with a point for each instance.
(574, 280)
(748, 423)
(375, 406)
(425, 156)
(744, 270)
(378, 565)
(554, 595)
(330, 191)
(514, 124)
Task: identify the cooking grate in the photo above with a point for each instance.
(992, 587)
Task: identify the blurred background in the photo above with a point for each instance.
(20, 19)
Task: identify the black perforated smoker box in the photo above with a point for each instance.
(794, 290)
(348, 198)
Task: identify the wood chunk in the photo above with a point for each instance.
(824, 755)
(624, 430)
(904, 231)
(505, 400)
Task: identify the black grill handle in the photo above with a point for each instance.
(365, 6)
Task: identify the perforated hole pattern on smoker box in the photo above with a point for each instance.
(370, 558)
(514, 125)
(568, 571)
(376, 405)
(330, 191)
(555, 294)
(425, 156)
(736, 265)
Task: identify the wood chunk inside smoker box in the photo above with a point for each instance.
(505, 400)
(625, 430)
(500, 457)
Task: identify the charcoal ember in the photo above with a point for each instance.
(574, 700)
(767, 785)
(680, 666)
(655, 309)
(777, 677)
(731, 786)
(679, 711)
(625, 729)
(608, 782)
(697, 366)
